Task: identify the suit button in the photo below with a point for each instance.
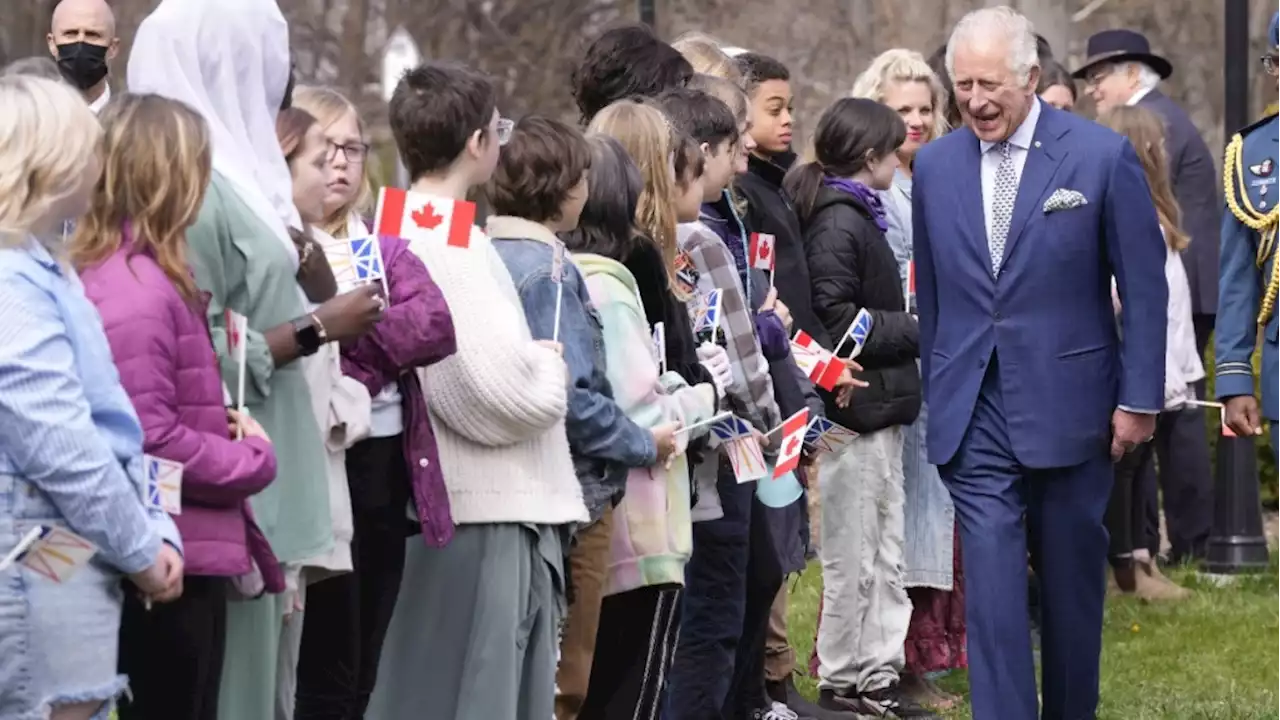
(423, 463)
(998, 317)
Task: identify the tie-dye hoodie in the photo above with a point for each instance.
(652, 530)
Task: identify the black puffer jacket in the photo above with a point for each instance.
(770, 211)
(851, 267)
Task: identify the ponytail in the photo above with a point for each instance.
(802, 184)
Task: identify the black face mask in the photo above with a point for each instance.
(82, 64)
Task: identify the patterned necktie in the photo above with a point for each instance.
(1006, 191)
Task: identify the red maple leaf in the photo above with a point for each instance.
(791, 448)
(427, 218)
(765, 248)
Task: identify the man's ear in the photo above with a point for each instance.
(113, 49)
(706, 149)
(1033, 78)
(53, 45)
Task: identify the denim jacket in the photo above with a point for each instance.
(603, 441)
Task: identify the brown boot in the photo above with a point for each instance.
(1121, 577)
(1153, 586)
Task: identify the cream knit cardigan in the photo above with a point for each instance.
(498, 404)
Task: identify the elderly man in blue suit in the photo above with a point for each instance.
(1021, 219)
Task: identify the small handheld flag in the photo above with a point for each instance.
(51, 551)
(761, 249)
(708, 314)
(164, 484)
(557, 277)
(858, 332)
(356, 261)
(793, 431)
(823, 435)
(660, 346)
(734, 435)
(822, 367)
(237, 346)
(415, 216)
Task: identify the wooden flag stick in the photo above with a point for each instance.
(709, 421)
(555, 331)
(1205, 404)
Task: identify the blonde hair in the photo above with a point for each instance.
(643, 131)
(328, 106)
(1145, 131)
(158, 160)
(49, 140)
(903, 66)
(706, 55)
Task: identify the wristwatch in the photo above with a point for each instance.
(309, 334)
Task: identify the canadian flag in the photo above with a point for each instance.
(761, 248)
(821, 366)
(414, 216)
(793, 430)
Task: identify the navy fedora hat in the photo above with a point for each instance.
(1112, 46)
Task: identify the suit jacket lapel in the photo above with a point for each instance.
(972, 204)
(1043, 158)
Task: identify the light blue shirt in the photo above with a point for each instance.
(67, 427)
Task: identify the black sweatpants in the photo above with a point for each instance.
(173, 652)
(347, 616)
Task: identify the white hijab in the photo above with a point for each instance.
(229, 60)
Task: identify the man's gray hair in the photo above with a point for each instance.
(1003, 22)
(1148, 79)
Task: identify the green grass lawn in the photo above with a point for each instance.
(1213, 656)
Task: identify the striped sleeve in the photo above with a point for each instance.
(50, 438)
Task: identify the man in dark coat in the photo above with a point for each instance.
(1121, 70)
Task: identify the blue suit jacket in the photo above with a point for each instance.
(1048, 318)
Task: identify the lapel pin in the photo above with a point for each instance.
(1037, 143)
(1262, 169)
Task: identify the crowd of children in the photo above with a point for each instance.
(508, 471)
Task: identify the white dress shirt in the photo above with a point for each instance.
(1021, 140)
(97, 105)
(1142, 92)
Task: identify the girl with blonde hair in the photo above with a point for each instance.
(348, 196)
(903, 80)
(132, 252)
(71, 454)
(1133, 568)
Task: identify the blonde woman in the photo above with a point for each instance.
(71, 451)
(903, 80)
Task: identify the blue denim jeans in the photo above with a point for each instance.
(713, 608)
(58, 641)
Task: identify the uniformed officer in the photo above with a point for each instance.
(1247, 269)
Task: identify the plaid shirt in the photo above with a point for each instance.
(714, 268)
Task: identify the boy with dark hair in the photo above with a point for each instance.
(537, 191)
(626, 61)
(475, 632)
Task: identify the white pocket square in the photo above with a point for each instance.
(1063, 199)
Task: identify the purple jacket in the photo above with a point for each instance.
(163, 351)
(415, 331)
